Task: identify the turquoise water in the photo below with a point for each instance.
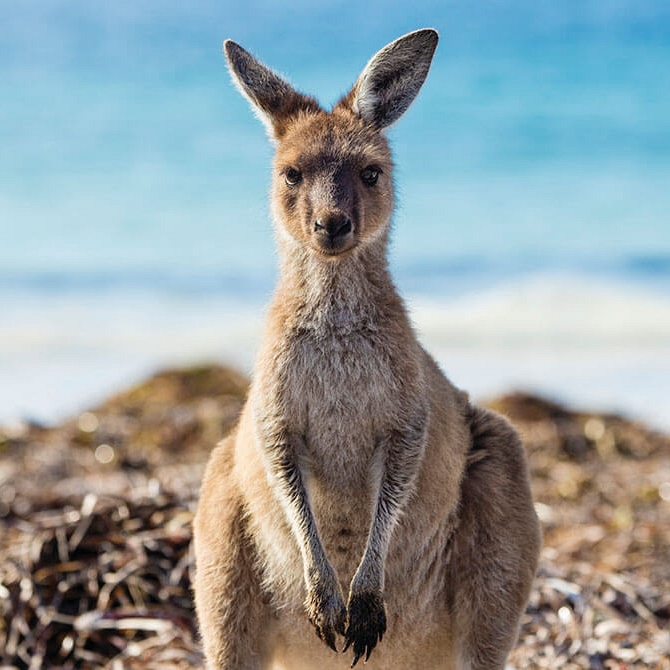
(532, 236)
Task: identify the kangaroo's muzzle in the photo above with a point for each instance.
(334, 232)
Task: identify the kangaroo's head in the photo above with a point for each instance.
(332, 184)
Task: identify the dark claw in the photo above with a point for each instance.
(328, 637)
(327, 620)
(366, 624)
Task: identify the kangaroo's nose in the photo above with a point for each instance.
(333, 226)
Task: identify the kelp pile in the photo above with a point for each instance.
(104, 583)
(95, 514)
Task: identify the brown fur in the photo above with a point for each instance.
(362, 495)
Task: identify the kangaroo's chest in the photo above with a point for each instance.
(345, 392)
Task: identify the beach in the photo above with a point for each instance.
(529, 241)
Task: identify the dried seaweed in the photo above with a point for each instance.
(581, 618)
(104, 583)
(95, 561)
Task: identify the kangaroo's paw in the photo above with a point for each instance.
(327, 613)
(366, 624)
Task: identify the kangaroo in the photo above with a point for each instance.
(361, 495)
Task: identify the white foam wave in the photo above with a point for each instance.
(548, 312)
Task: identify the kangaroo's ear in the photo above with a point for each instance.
(274, 100)
(392, 79)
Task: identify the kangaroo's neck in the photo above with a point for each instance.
(343, 294)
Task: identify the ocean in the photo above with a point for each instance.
(531, 239)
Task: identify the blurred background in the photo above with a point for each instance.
(531, 237)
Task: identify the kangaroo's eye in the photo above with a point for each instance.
(369, 175)
(292, 176)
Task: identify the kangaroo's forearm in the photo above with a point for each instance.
(281, 449)
(402, 451)
(323, 602)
